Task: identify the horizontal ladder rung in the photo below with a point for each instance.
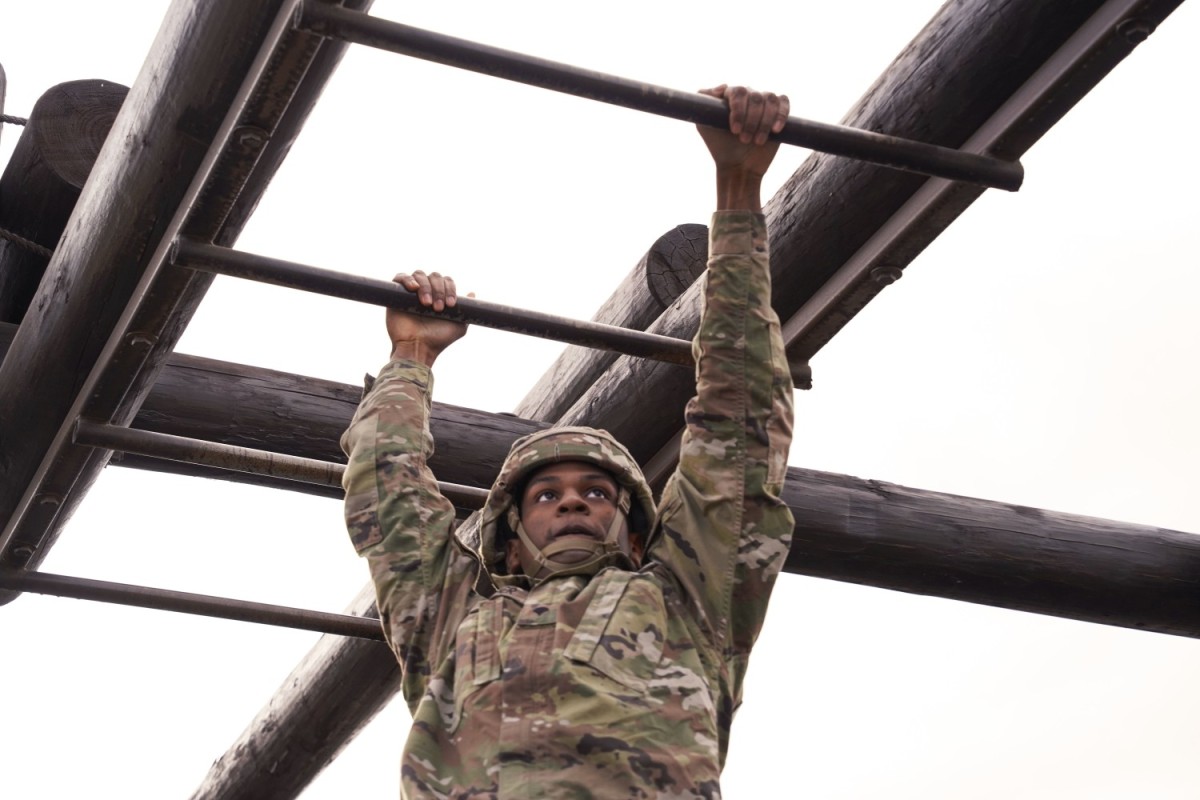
(188, 603)
(218, 260)
(238, 459)
(224, 261)
(357, 27)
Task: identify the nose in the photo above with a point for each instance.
(572, 501)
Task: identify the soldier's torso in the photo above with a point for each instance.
(598, 688)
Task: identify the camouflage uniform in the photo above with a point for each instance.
(619, 685)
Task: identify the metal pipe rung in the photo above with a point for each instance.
(189, 603)
(333, 21)
(205, 257)
(238, 459)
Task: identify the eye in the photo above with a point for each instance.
(598, 492)
(544, 496)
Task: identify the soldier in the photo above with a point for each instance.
(578, 640)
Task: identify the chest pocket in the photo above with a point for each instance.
(621, 634)
(476, 655)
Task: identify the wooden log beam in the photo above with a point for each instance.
(979, 551)
(224, 91)
(847, 529)
(960, 74)
(316, 711)
(3, 91)
(43, 178)
(959, 71)
(217, 401)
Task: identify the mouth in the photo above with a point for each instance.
(575, 530)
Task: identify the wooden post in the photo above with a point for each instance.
(40, 185)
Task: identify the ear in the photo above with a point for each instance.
(636, 548)
(512, 556)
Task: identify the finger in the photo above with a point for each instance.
(785, 108)
(736, 97)
(406, 281)
(770, 114)
(422, 290)
(716, 91)
(437, 288)
(451, 292)
(755, 104)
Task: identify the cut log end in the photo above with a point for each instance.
(69, 124)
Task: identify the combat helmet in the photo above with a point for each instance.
(501, 515)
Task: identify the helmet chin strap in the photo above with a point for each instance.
(540, 564)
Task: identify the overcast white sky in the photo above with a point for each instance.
(1041, 352)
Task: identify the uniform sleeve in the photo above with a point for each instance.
(402, 524)
(726, 530)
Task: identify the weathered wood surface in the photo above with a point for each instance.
(309, 710)
(218, 401)
(117, 238)
(43, 178)
(961, 68)
(3, 91)
(961, 548)
(672, 264)
(955, 74)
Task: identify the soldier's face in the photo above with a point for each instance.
(569, 499)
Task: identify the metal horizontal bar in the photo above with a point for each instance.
(238, 459)
(877, 148)
(188, 603)
(224, 261)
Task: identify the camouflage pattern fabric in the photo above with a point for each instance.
(619, 685)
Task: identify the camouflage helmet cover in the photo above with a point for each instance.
(553, 446)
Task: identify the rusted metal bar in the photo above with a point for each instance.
(225, 261)
(189, 603)
(876, 148)
(238, 459)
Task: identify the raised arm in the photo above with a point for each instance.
(395, 514)
(726, 530)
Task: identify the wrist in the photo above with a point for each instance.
(739, 189)
(414, 350)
